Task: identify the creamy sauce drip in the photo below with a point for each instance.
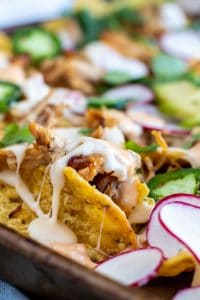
(51, 232)
(113, 135)
(62, 136)
(44, 228)
(120, 162)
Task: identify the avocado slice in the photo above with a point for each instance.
(179, 99)
(179, 181)
(187, 185)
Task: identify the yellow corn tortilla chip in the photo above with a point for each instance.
(5, 43)
(182, 262)
(13, 212)
(96, 220)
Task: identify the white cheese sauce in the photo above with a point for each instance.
(113, 135)
(51, 232)
(44, 228)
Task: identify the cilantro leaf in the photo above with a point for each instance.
(85, 131)
(14, 134)
(117, 77)
(98, 102)
(131, 145)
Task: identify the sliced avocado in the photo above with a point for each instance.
(187, 185)
(179, 99)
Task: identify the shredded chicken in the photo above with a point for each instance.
(87, 166)
(127, 46)
(41, 134)
(73, 71)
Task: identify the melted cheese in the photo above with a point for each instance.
(121, 163)
(62, 136)
(45, 231)
(44, 228)
(113, 135)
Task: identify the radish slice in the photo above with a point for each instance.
(73, 100)
(172, 16)
(150, 118)
(188, 294)
(182, 221)
(157, 236)
(184, 44)
(135, 267)
(109, 59)
(137, 92)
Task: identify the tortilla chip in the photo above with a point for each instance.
(94, 217)
(96, 220)
(13, 212)
(182, 262)
(5, 43)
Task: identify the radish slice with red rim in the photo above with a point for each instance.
(182, 44)
(150, 118)
(157, 236)
(188, 294)
(182, 222)
(132, 268)
(136, 92)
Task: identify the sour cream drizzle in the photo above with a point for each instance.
(44, 228)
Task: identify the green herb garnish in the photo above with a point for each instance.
(93, 27)
(98, 102)
(9, 93)
(85, 131)
(117, 77)
(131, 145)
(14, 134)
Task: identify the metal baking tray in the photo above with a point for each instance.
(43, 274)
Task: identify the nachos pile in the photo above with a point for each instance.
(100, 138)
